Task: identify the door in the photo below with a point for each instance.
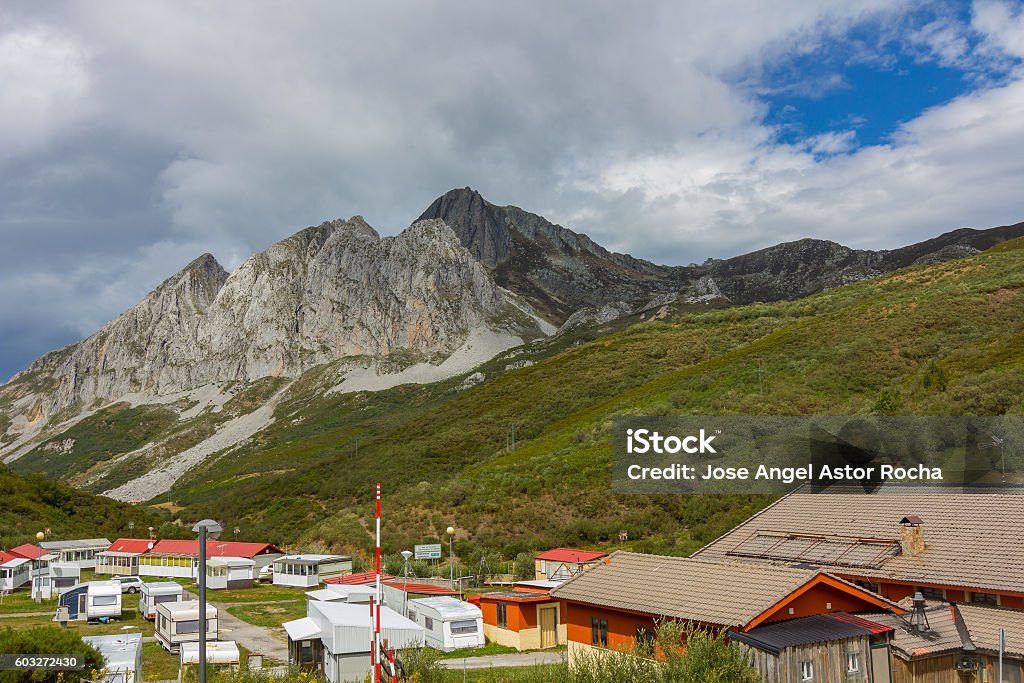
(880, 672)
(82, 597)
(548, 626)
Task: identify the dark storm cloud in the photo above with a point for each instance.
(135, 136)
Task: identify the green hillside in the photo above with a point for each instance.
(32, 504)
(944, 339)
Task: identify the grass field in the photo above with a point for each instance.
(270, 614)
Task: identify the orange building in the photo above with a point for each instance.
(526, 618)
(618, 602)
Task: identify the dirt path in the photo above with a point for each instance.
(270, 641)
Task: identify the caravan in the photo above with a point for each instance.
(152, 594)
(122, 657)
(449, 624)
(93, 601)
(178, 622)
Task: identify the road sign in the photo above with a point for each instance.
(428, 552)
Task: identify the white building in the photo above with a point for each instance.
(449, 624)
(81, 552)
(122, 657)
(334, 638)
(168, 565)
(229, 572)
(178, 622)
(306, 571)
(14, 573)
(152, 594)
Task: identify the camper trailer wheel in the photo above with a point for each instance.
(133, 589)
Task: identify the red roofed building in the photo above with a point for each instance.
(360, 579)
(564, 563)
(526, 618)
(28, 551)
(178, 558)
(121, 558)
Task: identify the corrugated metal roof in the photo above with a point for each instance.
(714, 592)
(313, 559)
(972, 538)
(119, 651)
(214, 548)
(570, 555)
(28, 550)
(421, 588)
(76, 544)
(357, 579)
(821, 628)
(134, 546)
(301, 629)
(345, 628)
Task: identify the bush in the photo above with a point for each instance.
(43, 640)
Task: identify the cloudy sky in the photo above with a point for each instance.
(136, 136)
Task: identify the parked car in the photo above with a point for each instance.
(129, 584)
(266, 574)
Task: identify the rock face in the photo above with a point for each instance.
(562, 272)
(332, 291)
(557, 270)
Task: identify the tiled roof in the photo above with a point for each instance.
(570, 555)
(983, 623)
(942, 636)
(971, 538)
(713, 592)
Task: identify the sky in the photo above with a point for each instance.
(137, 136)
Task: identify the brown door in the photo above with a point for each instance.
(548, 626)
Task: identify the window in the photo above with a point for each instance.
(852, 662)
(932, 593)
(984, 599)
(157, 599)
(872, 586)
(412, 615)
(502, 615)
(187, 627)
(463, 627)
(645, 637)
(599, 632)
(105, 600)
(807, 671)
(428, 623)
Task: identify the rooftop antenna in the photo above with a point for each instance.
(996, 442)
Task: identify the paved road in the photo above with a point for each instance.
(518, 659)
(271, 642)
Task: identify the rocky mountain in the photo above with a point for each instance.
(561, 272)
(201, 365)
(330, 292)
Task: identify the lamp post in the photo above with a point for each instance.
(207, 526)
(405, 583)
(451, 558)
(37, 585)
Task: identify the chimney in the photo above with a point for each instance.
(918, 616)
(912, 536)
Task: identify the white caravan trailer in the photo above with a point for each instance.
(449, 624)
(178, 622)
(220, 654)
(122, 657)
(152, 594)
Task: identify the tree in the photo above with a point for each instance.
(47, 640)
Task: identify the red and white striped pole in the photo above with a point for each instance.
(380, 600)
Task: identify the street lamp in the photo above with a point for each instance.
(37, 585)
(451, 558)
(405, 583)
(207, 526)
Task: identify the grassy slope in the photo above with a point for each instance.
(942, 339)
(32, 503)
